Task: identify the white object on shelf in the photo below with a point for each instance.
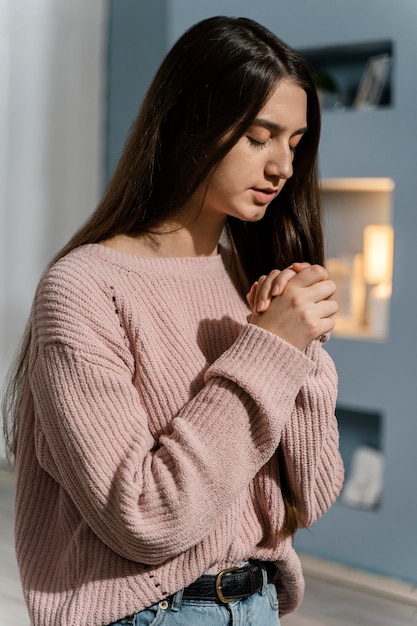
(358, 292)
(364, 486)
(378, 309)
(374, 79)
(378, 249)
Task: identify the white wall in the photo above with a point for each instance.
(52, 73)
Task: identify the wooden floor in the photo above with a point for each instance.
(325, 604)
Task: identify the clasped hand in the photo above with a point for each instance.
(295, 304)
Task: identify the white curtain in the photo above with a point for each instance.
(52, 101)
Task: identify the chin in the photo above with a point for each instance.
(250, 214)
(257, 216)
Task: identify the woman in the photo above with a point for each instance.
(171, 435)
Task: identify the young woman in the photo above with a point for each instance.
(170, 434)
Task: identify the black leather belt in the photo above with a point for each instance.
(230, 585)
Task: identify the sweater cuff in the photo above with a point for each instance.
(265, 365)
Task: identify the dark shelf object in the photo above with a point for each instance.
(339, 69)
(357, 428)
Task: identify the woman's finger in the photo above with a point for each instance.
(264, 292)
(259, 297)
(311, 275)
(250, 297)
(286, 275)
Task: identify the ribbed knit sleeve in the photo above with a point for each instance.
(143, 497)
(310, 441)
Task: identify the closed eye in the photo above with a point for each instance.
(256, 144)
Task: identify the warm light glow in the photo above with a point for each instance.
(378, 247)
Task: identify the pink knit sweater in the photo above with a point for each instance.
(148, 437)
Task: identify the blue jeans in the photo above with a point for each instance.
(260, 609)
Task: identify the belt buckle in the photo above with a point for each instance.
(219, 591)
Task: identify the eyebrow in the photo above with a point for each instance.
(259, 121)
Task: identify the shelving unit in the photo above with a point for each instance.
(350, 204)
(368, 171)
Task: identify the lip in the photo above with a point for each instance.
(264, 196)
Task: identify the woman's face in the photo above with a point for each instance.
(255, 170)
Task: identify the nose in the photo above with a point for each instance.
(280, 163)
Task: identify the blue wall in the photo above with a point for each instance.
(138, 40)
(375, 378)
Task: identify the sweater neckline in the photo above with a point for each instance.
(160, 265)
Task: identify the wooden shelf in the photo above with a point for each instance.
(357, 184)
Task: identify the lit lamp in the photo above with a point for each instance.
(378, 246)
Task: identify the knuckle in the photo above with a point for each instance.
(319, 271)
(272, 276)
(296, 303)
(310, 323)
(315, 331)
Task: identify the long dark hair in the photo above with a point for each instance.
(206, 93)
